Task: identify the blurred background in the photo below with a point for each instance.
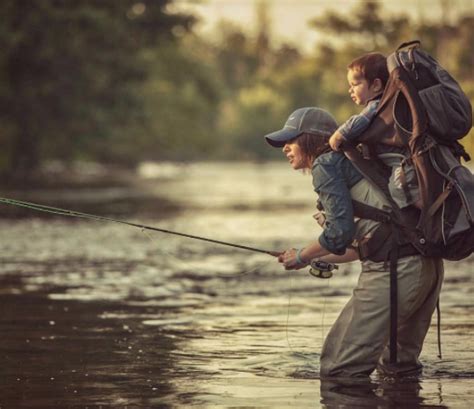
(88, 85)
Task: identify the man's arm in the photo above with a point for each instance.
(334, 194)
(294, 259)
(347, 257)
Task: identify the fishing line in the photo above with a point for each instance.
(73, 213)
(288, 312)
(144, 228)
(168, 253)
(288, 319)
(300, 354)
(178, 260)
(324, 313)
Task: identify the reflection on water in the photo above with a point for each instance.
(100, 314)
(369, 394)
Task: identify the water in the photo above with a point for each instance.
(96, 314)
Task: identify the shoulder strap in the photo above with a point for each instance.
(408, 44)
(371, 169)
(365, 211)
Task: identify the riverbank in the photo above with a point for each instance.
(92, 188)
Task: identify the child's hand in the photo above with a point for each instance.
(335, 141)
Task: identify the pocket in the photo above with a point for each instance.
(442, 117)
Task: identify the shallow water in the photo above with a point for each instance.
(96, 314)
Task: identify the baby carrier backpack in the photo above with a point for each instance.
(423, 112)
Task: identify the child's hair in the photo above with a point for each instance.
(313, 145)
(371, 66)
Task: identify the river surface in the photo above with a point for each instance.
(96, 314)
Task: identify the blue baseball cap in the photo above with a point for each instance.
(304, 120)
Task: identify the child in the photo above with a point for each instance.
(367, 77)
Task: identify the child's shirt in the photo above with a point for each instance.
(357, 124)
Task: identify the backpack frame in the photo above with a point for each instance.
(422, 113)
(445, 225)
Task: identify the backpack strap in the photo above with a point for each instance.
(438, 314)
(416, 43)
(439, 201)
(378, 246)
(460, 152)
(391, 248)
(365, 211)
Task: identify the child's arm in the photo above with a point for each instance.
(356, 125)
(336, 140)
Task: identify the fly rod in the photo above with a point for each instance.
(73, 213)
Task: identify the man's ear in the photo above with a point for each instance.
(377, 85)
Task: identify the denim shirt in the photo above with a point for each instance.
(357, 124)
(333, 177)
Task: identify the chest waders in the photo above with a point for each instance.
(391, 240)
(385, 245)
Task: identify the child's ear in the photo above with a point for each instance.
(377, 85)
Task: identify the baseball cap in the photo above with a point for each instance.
(310, 119)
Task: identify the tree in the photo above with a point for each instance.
(363, 26)
(364, 30)
(70, 72)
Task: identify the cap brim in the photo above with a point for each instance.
(279, 138)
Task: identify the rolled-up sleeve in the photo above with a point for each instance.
(334, 194)
(357, 124)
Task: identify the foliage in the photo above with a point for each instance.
(451, 44)
(123, 81)
(70, 72)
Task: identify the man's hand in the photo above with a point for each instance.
(290, 261)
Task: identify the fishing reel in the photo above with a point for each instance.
(322, 269)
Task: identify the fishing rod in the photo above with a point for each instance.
(319, 269)
(73, 213)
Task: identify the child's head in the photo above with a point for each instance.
(367, 76)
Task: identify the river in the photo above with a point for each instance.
(97, 314)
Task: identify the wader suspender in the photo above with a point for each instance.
(372, 250)
(369, 212)
(393, 296)
(373, 173)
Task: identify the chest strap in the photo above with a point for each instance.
(370, 212)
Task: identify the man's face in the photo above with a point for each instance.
(295, 155)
